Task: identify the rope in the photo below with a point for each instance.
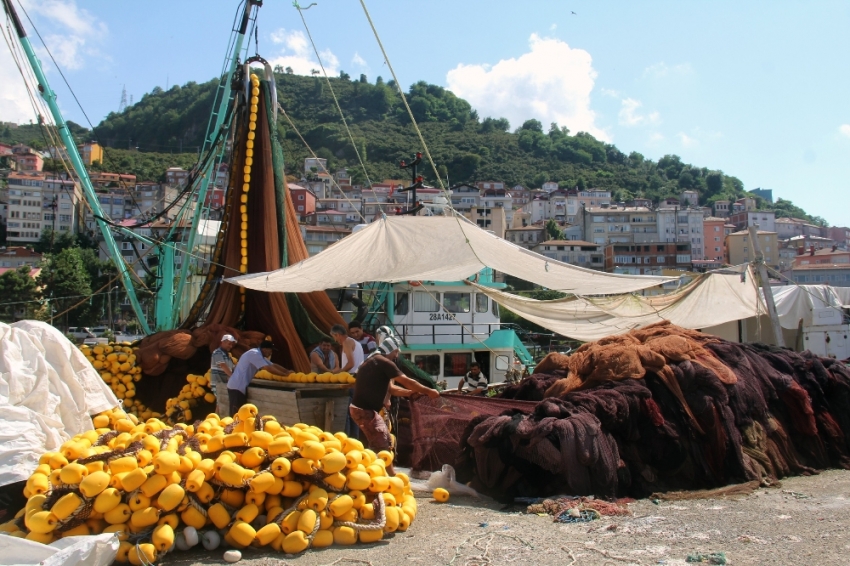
(333, 94)
(406, 105)
(379, 522)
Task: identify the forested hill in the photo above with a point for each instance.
(465, 147)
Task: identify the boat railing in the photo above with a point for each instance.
(450, 332)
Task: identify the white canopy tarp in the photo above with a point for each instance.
(710, 300)
(797, 302)
(419, 248)
(48, 392)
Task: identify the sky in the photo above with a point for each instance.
(757, 89)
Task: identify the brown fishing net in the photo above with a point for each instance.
(660, 409)
(169, 356)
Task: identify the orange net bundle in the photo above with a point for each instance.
(264, 218)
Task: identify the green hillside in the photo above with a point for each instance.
(465, 147)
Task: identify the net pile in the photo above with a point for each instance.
(661, 408)
(260, 220)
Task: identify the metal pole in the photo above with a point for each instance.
(758, 262)
(50, 98)
(211, 134)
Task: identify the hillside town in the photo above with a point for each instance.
(582, 227)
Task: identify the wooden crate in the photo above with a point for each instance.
(323, 406)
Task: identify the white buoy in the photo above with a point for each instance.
(180, 542)
(232, 556)
(191, 535)
(211, 540)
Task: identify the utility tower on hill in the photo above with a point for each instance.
(123, 104)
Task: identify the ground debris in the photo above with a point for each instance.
(707, 558)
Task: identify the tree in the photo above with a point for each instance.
(553, 230)
(53, 242)
(65, 281)
(539, 179)
(344, 76)
(532, 125)
(363, 79)
(18, 291)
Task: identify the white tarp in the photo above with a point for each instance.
(48, 392)
(418, 248)
(710, 300)
(94, 550)
(796, 302)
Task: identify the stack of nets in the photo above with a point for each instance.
(658, 409)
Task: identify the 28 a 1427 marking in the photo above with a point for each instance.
(441, 316)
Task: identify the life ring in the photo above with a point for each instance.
(414, 283)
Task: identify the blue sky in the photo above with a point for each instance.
(757, 89)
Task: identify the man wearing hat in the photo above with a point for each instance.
(249, 363)
(221, 366)
(375, 379)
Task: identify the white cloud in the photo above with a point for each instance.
(629, 115)
(687, 141)
(359, 61)
(71, 34)
(662, 69)
(553, 27)
(297, 53)
(844, 130)
(656, 137)
(552, 82)
(610, 92)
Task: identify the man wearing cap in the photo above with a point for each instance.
(375, 381)
(249, 363)
(221, 366)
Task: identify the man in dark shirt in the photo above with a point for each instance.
(375, 381)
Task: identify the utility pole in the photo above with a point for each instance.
(416, 182)
(109, 306)
(757, 260)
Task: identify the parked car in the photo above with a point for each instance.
(80, 333)
(99, 330)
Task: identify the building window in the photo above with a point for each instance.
(456, 364)
(429, 363)
(456, 302)
(423, 302)
(481, 303)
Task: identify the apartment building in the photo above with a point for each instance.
(823, 256)
(682, 225)
(648, 258)
(840, 234)
(90, 152)
(722, 208)
(304, 200)
(574, 252)
(835, 274)
(764, 219)
(526, 236)
(317, 238)
(714, 237)
(739, 248)
(614, 224)
(36, 201)
(14, 257)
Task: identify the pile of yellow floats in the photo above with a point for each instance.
(295, 377)
(179, 409)
(116, 363)
(244, 481)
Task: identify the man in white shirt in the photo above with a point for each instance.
(352, 352)
(247, 366)
(474, 381)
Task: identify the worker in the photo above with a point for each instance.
(377, 378)
(323, 359)
(474, 382)
(351, 356)
(248, 365)
(352, 352)
(367, 341)
(221, 365)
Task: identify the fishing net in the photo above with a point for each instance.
(295, 322)
(656, 410)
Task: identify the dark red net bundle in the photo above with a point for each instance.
(658, 409)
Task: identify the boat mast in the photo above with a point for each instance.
(85, 181)
(224, 96)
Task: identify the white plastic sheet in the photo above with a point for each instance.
(709, 300)
(797, 302)
(96, 550)
(421, 248)
(48, 392)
